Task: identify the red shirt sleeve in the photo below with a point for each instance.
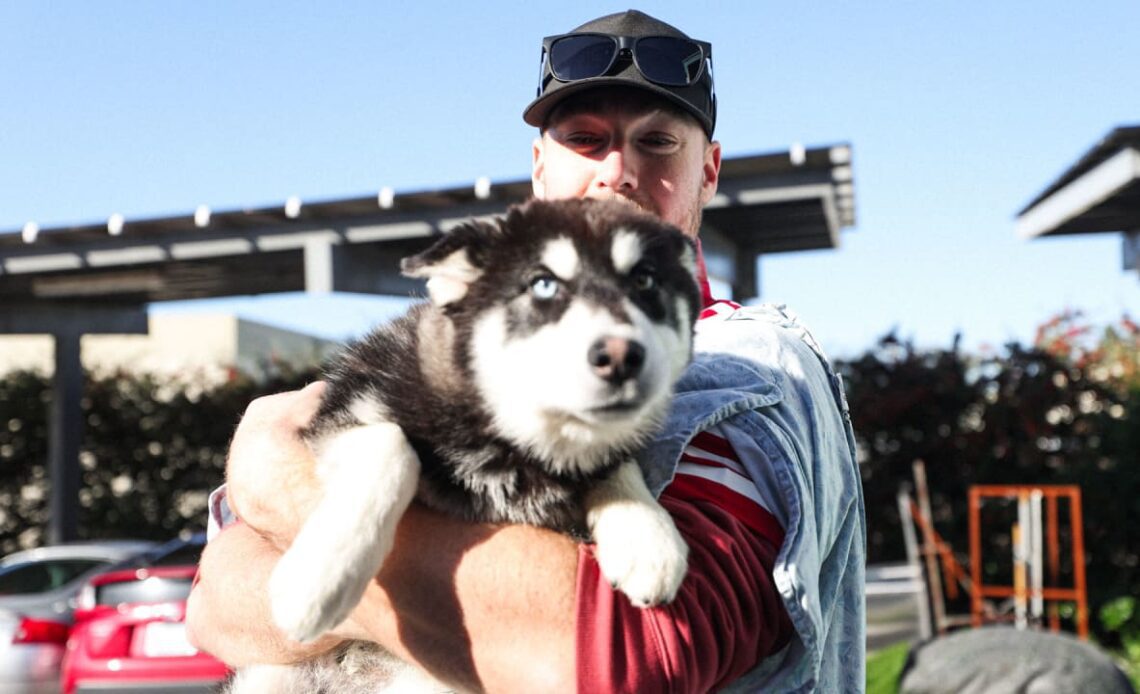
(726, 617)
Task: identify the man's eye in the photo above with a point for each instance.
(657, 141)
(544, 288)
(582, 140)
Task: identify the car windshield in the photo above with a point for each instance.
(187, 554)
(149, 590)
(42, 576)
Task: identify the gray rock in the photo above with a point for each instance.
(1002, 660)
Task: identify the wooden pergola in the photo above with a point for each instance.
(99, 278)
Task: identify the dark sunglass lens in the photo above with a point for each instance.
(580, 57)
(669, 61)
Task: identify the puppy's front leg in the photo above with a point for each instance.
(639, 549)
(372, 475)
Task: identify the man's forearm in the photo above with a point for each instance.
(480, 607)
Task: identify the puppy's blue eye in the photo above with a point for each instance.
(544, 288)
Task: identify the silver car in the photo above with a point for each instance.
(38, 588)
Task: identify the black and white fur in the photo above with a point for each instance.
(544, 360)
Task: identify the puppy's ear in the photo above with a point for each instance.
(453, 262)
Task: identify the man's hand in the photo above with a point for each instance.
(227, 613)
(271, 478)
(271, 484)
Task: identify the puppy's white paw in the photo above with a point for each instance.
(308, 596)
(640, 552)
(372, 473)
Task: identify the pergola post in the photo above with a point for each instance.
(746, 284)
(65, 435)
(1130, 250)
(67, 322)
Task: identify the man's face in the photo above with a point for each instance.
(657, 160)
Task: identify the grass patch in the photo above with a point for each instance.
(884, 667)
(1129, 665)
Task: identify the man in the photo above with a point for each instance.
(756, 464)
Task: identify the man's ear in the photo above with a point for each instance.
(710, 172)
(538, 169)
(452, 263)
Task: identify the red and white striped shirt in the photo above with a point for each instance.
(728, 614)
(710, 466)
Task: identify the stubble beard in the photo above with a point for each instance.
(690, 225)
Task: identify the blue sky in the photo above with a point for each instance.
(958, 112)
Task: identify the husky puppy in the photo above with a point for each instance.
(519, 393)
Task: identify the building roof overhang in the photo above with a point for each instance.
(1099, 193)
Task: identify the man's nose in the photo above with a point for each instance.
(615, 170)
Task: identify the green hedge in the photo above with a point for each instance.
(152, 449)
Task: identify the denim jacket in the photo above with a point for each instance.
(761, 371)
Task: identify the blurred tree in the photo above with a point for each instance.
(1065, 410)
(23, 459)
(1053, 413)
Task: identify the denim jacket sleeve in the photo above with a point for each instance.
(761, 369)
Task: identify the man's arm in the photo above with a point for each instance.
(227, 612)
(484, 607)
(479, 606)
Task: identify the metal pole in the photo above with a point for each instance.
(976, 605)
(1079, 563)
(1054, 560)
(64, 438)
(1036, 565)
(1021, 532)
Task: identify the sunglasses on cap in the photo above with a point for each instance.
(665, 60)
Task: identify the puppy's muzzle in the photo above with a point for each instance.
(616, 359)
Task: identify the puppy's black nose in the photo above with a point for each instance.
(616, 359)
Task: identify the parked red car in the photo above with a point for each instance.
(130, 635)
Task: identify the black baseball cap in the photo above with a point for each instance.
(696, 97)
